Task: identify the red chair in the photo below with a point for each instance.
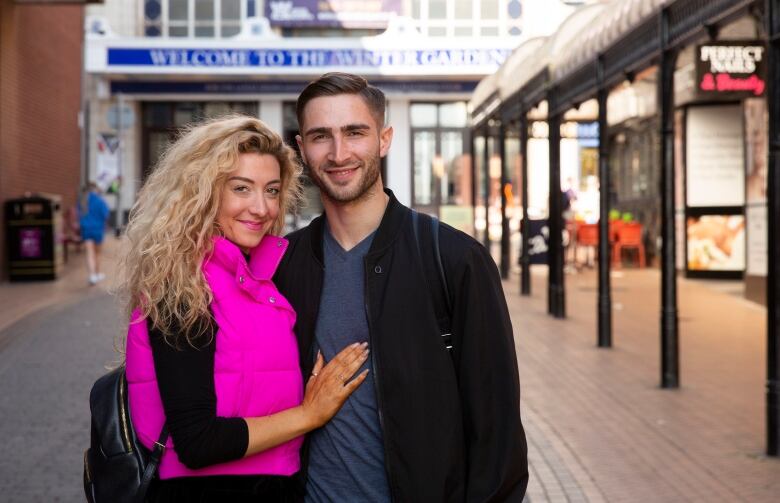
(629, 236)
(587, 236)
(614, 227)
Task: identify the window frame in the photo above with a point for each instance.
(217, 23)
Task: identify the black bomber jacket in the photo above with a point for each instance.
(450, 423)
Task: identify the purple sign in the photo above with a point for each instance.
(30, 243)
(331, 13)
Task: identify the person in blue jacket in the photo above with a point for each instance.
(93, 214)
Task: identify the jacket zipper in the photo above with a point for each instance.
(388, 471)
(123, 415)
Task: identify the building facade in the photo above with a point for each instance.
(40, 103)
(157, 65)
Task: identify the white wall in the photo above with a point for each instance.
(270, 112)
(123, 16)
(399, 162)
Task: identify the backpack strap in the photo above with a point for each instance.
(434, 272)
(151, 466)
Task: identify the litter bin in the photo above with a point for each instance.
(33, 226)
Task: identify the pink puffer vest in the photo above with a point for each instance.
(256, 370)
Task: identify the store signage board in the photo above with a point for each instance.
(302, 58)
(331, 13)
(731, 67)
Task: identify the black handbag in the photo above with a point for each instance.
(117, 467)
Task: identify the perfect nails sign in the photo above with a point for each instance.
(731, 67)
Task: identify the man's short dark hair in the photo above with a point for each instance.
(337, 83)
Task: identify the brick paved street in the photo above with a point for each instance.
(599, 427)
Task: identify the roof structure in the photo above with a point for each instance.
(599, 45)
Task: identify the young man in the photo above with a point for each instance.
(429, 424)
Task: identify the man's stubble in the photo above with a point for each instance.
(370, 174)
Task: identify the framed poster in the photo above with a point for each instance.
(108, 161)
(714, 156)
(715, 244)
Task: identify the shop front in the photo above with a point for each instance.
(722, 109)
(708, 157)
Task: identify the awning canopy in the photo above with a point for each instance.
(485, 91)
(527, 61)
(623, 35)
(519, 66)
(527, 64)
(616, 19)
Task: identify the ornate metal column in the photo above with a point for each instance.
(501, 139)
(525, 257)
(556, 295)
(605, 289)
(670, 361)
(772, 12)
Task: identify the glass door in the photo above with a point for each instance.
(441, 162)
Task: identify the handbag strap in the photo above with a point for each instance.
(151, 466)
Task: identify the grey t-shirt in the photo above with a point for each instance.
(346, 457)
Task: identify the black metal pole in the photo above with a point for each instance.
(473, 142)
(504, 268)
(670, 359)
(525, 257)
(605, 288)
(556, 296)
(773, 210)
(486, 185)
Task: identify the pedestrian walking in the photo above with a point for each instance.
(210, 349)
(93, 215)
(433, 423)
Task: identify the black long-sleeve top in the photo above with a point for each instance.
(185, 377)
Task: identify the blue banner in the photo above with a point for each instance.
(305, 58)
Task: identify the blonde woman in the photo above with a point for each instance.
(210, 348)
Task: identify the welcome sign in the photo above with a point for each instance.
(314, 59)
(732, 67)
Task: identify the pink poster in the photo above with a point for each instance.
(31, 243)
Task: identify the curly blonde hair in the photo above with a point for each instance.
(173, 221)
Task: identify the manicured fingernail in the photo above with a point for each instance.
(364, 344)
